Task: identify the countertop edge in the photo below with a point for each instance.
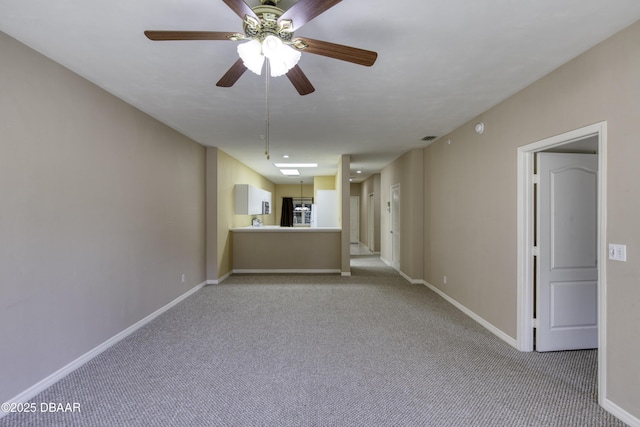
(286, 229)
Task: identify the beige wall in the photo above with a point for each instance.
(407, 171)
(470, 197)
(211, 215)
(229, 172)
(296, 250)
(102, 211)
(344, 208)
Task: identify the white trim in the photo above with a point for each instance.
(391, 217)
(42, 385)
(410, 280)
(219, 280)
(491, 328)
(602, 263)
(497, 332)
(371, 227)
(620, 413)
(525, 240)
(285, 270)
(346, 274)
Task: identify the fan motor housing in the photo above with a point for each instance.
(268, 16)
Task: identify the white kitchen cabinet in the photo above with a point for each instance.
(250, 200)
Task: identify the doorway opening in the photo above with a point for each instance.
(526, 246)
(354, 223)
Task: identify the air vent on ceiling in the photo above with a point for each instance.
(429, 138)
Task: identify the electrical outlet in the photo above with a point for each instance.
(444, 279)
(182, 277)
(617, 252)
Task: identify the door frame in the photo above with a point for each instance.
(525, 241)
(371, 217)
(395, 257)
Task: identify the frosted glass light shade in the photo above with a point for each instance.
(281, 57)
(251, 55)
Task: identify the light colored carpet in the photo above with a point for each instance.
(323, 350)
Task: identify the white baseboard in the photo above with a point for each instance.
(345, 274)
(620, 413)
(42, 385)
(608, 405)
(410, 280)
(219, 280)
(497, 332)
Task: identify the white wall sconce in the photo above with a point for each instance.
(479, 128)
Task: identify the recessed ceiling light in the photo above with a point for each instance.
(296, 165)
(290, 172)
(285, 156)
(358, 171)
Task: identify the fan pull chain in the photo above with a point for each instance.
(266, 132)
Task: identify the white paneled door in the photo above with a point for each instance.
(567, 268)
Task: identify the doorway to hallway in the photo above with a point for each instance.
(528, 245)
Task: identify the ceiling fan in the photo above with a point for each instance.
(268, 31)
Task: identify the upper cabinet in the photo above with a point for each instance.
(252, 200)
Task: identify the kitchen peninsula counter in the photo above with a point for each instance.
(274, 249)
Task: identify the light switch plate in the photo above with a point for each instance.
(617, 252)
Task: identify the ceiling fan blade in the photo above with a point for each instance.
(305, 10)
(187, 35)
(240, 8)
(232, 75)
(341, 52)
(300, 81)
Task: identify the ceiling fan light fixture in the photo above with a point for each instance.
(281, 57)
(251, 55)
(285, 26)
(265, 20)
(251, 22)
(299, 44)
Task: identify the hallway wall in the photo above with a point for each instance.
(470, 196)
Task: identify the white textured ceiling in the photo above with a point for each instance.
(440, 63)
